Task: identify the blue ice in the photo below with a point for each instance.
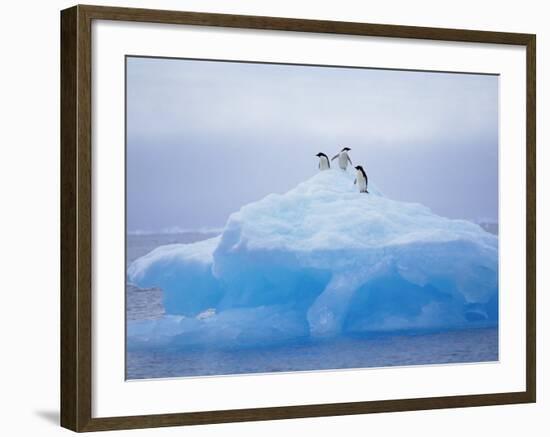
(319, 261)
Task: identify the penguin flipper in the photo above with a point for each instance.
(355, 181)
(334, 157)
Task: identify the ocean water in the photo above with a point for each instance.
(477, 345)
(466, 346)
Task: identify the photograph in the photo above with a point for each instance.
(266, 219)
(288, 217)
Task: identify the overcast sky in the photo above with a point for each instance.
(206, 137)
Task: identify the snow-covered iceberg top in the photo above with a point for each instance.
(323, 260)
(327, 212)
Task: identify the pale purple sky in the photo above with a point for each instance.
(206, 137)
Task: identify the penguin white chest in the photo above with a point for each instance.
(323, 163)
(343, 160)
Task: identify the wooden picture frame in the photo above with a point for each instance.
(76, 217)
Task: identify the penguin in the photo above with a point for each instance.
(324, 163)
(361, 180)
(343, 158)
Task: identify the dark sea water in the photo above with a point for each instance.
(467, 346)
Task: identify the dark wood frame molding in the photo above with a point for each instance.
(76, 219)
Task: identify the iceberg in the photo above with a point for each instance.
(319, 261)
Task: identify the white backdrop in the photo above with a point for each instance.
(29, 181)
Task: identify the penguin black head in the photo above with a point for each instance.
(346, 149)
(360, 168)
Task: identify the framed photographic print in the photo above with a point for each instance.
(268, 218)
